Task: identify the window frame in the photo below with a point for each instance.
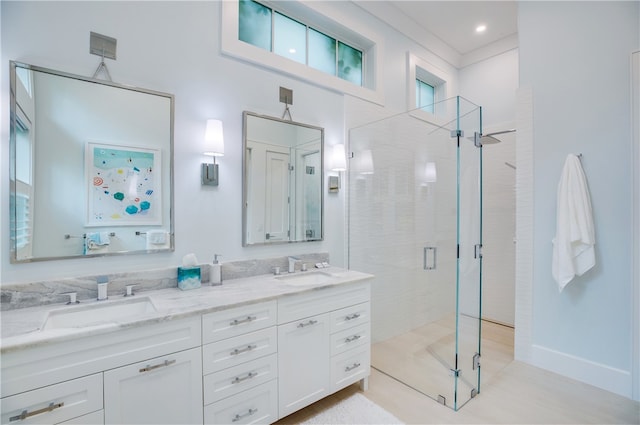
(441, 81)
(322, 17)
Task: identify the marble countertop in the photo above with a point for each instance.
(22, 328)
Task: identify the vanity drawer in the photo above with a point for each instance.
(350, 338)
(93, 418)
(349, 367)
(351, 316)
(231, 381)
(236, 321)
(320, 301)
(234, 351)
(55, 403)
(256, 405)
(42, 365)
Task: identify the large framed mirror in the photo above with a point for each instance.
(91, 167)
(282, 181)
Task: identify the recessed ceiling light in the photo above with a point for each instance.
(292, 50)
(481, 28)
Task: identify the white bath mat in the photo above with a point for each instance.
(356, 409)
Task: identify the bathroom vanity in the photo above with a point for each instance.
(250, 351)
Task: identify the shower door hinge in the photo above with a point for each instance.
(454, 372)
(457, 133)
(476, 361)
(477, 139)
(477, 251)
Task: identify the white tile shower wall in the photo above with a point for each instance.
(394, 216)
(524, 225)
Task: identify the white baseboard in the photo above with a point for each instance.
(602, 376)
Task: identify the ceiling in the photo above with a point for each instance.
(448, 28)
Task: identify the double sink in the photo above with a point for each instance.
(106, 312)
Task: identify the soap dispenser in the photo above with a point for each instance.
(216, 275)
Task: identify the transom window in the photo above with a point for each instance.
(271, 30)
(425, 96)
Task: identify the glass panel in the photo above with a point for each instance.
(289, 38)
(468, 312)
(255, 24)
(349, 64)
(405, 214)
(322, 52)
(424, 96)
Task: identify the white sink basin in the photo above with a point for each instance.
(306, 278)
(97, 313)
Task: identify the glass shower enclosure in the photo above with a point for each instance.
(415, 222)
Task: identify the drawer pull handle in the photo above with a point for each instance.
(249, 375)
(248, 319)
(352, 338)
(353, 366)
(243, 350)
(309, 323)
(352, 316)
(239, 416)
(26, 414)
(163, 364)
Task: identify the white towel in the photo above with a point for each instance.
(97, 242)
(157, 239)
(573, 245)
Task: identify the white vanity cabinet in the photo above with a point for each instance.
(240, 365)
(323, 344)
(256, 362)
(96, 378)
(166, 389)
(56, 403)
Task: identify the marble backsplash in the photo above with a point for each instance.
(55, 291)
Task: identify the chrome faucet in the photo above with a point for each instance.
(292, 264)
(103, 284)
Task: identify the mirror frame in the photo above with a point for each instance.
(12, 162)
(245, 116)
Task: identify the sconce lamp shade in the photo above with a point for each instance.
(431, 175)
(366, 162)
(214, 139)
(338, 158)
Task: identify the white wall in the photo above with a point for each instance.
(175, 47)
(578, 70)
(171, 47)
(492, 83)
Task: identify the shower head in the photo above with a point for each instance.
(488, 139)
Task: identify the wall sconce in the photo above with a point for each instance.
(339, 164)
(213, 146)
(365, 164)
(338, 158)
(430, 173)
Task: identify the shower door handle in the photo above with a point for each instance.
(425, 262)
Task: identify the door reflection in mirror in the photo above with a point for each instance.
(283, 174)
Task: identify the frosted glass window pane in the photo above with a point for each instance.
(289, 38)
(349, 64)
(424, 96)
(255, 24)
(322, 52)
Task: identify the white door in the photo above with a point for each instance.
(164, 390)
(304, 372)
(277, 197)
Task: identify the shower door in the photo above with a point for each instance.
(414, 222)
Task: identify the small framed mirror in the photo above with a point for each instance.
(282, 181)
(91, 167)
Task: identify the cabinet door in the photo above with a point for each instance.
(303, 362)
(163, 390)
